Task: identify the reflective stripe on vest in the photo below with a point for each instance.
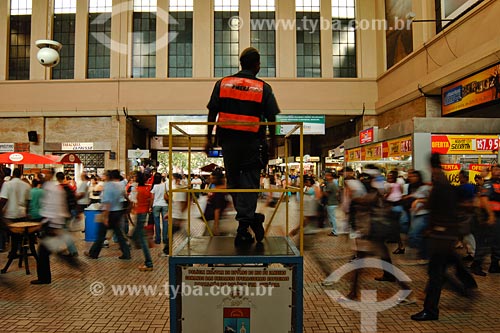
(495, 205)
(242, 89)
(239, 118)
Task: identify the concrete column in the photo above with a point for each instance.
(4, 35)
(244, 13)
(380, 41)
(119, 48)
(203, 51)
(326, 39)
(423, 31)
(40, 29)
(162, 39)
(286, 41)
(81, 39)
(369, 54)
(126, 27)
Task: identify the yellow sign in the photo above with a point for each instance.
(465, 144)
(354, 155)
(451, 171)
(399, 147)
(373, 152)
(476, 169)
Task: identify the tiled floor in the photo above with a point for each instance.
(67, 305)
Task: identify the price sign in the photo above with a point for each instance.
(487, 144)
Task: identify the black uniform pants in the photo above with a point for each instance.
(243, 165)
(442, 254)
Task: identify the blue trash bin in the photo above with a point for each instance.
(91, 226)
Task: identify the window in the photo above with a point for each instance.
(263, 34)
(226, 37)
(144, 39)
(344, 38)
(308, 38)
(452, 9)
(64, 33)
(99, 39)
(180, 32)
(20, 39)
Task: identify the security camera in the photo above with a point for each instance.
(48, 55)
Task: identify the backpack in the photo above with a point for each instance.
(70, 198)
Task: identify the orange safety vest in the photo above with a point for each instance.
(495, 205)
(241, 89)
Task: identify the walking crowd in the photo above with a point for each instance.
(428, 221)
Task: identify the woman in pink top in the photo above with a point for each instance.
(394, 194)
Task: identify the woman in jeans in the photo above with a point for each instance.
(141, 207)
(160, 209)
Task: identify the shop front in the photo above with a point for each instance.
(474, 148)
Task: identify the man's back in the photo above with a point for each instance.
(17, 194)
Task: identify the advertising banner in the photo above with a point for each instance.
(236, 299)
(373, 152)
(400, 147)
(451, 171)
(475, 169)
(353, 155)
(477, 89)
(465, 144)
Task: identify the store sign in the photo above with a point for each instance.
(367, 135)
(308, 159)
(137, 153)
(6, 147)
(451, 171)
(465, 144)
(477, 89)
(312, 124)
(236, 299)
(77, 146)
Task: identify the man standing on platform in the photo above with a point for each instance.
(243, 98)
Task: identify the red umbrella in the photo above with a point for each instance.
(69, 158)
(24, 158)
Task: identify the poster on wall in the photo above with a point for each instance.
(399, 40)
(236, 299)
(477, 89)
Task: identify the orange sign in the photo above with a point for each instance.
(476, 89)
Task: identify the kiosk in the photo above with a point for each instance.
(215, 287)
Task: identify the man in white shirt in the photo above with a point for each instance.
(14, 198)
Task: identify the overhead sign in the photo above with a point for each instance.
(312, 124)
(353, 155)
(163, 124)
(77, 146)
(137, 153)
(6, 147)
(477, 89)
(465, 144)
